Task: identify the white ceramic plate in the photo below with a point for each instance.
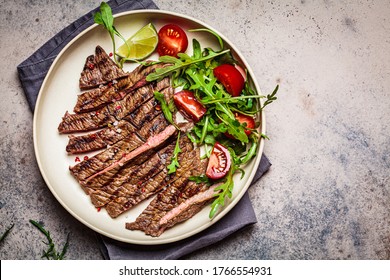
(58, 94)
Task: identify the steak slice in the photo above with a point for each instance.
(124, 202)
(125, 183)
(98, 97)
(154, 127)
(106, 158)
(99, 69)
(132, 101)
(117, 89)
(100, 139)
(174, 195)
(149, 109)
(130, 177)
(152, 143)
(129, 188)
(108, 114)
(105, 178)
(86, 121)
(190, 206)
(113, 133)
(90, 76)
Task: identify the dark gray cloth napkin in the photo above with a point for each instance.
(32, 72)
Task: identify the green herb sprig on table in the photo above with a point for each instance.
(7, 231)
(51, 253)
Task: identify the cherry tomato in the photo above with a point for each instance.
(187, 103)
(171, 40)
(245, 120)
(248, 122)
(230, 78)
(219, 162)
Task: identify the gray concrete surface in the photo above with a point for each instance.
(327, 195)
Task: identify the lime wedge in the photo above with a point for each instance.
(141, 44)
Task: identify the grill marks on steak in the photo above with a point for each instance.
(149, 109)
(153, 142)
(109, 113)
(152, 180)
(100, 139)
(99, 69)
(137, 180)
(147, 119)
(115, 90)
(118, 151)
(107, 157)
(154, 220)
(122, 149)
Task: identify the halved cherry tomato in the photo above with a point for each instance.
(171, 40)
(247, 121)
(230, 78)
(187, 103)
(219, 162)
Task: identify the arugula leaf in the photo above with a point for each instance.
(178, 65)
(234, 128)
(222, 192)
(220, 41)
(51, 252)
(252, 150)
(271, 97)
(166, 108)
(105, 18)
(174, 160)
(197, 51)
(206, 84)
(200, 179)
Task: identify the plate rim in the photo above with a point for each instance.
(227, 208)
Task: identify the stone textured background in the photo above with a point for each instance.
(327, 194)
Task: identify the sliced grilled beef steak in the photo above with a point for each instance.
(100, 139)
(90, 76)
(98, 97)
(108, 114)
(86, 121)
(99, 69)
(132, 101)
(149, 109)
(129, 190)
(189, 207)
(125, 184)
(106, 158)
(175, 194)
(152, 143)
(104, 178)
(117, 89)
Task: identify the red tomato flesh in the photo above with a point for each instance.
(219, 162)
(230, 78)
(245, 120)
(187, 103)
(171, 40)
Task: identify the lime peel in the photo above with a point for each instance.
(141, 45)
